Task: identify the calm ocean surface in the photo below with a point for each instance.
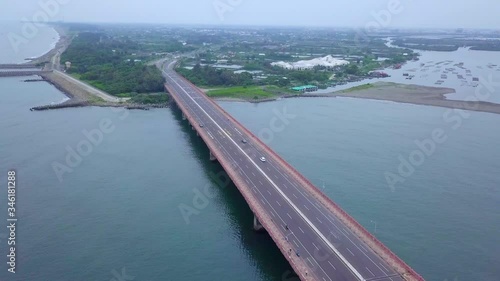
(118, 210)
(17, 42)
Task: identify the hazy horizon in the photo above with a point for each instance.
(385, 14)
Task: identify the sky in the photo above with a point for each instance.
(334, 13)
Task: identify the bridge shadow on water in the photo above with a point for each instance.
(258, 246)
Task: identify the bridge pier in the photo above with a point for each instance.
(212, 157)
(257, 226)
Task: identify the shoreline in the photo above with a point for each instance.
(61, 44)
(80, 97)
(79, 93)
(398, 93)
(386, 91)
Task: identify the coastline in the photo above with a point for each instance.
(61, 44)
(387, 91)
(82, 95)
(79, 93)
(418, 95)
(395, 92)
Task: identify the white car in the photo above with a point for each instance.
(263, 159)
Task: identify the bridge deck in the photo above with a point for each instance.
(22, 73)
(316, 236)
(18, 66)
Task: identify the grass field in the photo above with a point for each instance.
(358, 88)
(250, 92)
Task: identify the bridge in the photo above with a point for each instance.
(18, 66)
(22, 73)
(12, 70)
(319, 239)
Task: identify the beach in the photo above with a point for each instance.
(395, 92)
(416, 94)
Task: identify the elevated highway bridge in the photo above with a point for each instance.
(319, 239)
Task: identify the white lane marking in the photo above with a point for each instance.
(302, 231)
(239, 171)
(345, 231)
(332, 265)
(289, 215)
(332, 220)
(362, 247)
(268, 191)
(264, 203)
(247, 181)
(295, 195)
(305, 206)
(370, 271)
(315, 246)
(278, 203)
(311, 225)
(261, 183)
(254, 174)
(283, 226)
(350, 252)
(367, 256)
(295, 243)
(384, 267)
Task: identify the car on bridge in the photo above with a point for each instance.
(244, 141)
(263, 159)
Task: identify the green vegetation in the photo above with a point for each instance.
(251, 92)
(149, 98)
(359, 88)
(95, 100)
(109, 64)
(209, 76)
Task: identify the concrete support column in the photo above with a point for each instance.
(212, 157)
(257, 226)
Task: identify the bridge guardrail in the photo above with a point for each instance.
(264, 219)
(395, 259)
